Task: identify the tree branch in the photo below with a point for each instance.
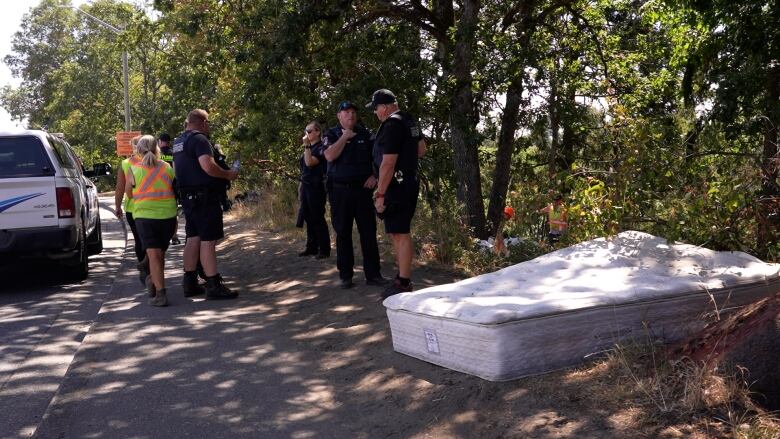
(418, 16)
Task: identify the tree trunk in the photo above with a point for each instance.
(568, 138)
(554, 121)
(462, 121)
(766, 236)
(506, 146)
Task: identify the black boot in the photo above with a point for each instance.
(190, 284)
(216, 289)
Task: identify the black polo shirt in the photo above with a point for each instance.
(187, 148)
(354, 163)
(316, 173)
(399, 134)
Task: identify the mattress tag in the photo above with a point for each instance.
(432, 341)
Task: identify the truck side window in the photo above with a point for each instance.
(61, 150)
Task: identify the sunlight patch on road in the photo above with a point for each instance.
(167, 375)
(376, 337)
(346, 308)
(316, 402)
(295, 299)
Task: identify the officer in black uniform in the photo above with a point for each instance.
(166, 149)
(166, 154)
(398, 146)
(312, 193)
(347, 148)
(201, 183)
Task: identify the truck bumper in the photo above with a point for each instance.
(52, 242)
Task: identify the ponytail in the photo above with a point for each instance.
(149, 151)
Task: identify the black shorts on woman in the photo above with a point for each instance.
(156, 233)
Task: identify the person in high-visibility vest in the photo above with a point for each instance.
(557, 218)
(124, 207)
(150, 185)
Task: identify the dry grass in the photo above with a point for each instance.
(680, 393)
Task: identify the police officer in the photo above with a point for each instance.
(166, 149)
(350, 184)
(201, 183)
(398, 146)
(166, 155)
(312, 192)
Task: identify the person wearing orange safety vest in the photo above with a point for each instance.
(557, 218)
(124, 207)
(150, 185)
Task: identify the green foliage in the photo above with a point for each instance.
(477, 260)
(656, 116)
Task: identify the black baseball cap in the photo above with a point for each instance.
(381, 96)
(164, 137)
(346, 105)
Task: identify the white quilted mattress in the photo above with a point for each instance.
(554, 310)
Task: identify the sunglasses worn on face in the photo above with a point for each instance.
(311, 130)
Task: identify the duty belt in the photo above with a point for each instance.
(350, 184)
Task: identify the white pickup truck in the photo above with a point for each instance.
(48, 206)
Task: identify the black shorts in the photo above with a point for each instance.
(203, 215)
(156, 233)
(400, 204)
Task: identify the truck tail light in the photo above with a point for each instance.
(65, 205)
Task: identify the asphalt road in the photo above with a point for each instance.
(43, 319)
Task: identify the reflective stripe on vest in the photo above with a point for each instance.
(146, 189)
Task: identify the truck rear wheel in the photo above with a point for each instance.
(95, 240)
(78, 266)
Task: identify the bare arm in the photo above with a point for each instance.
(386, 172)
(129, 183)
(334, 151)
(211, 168)
(309, 159)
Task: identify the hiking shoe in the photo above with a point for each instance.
(150, 288)
(175, 240)
(377, 281)
(396, 288)
(190, 286)
(307, 253)
(143, 270)
(346, 284)
(322, 256)
(216, 289)
(159, 299)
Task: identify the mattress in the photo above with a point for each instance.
(553, 311)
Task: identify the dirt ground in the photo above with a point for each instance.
(340, 342)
